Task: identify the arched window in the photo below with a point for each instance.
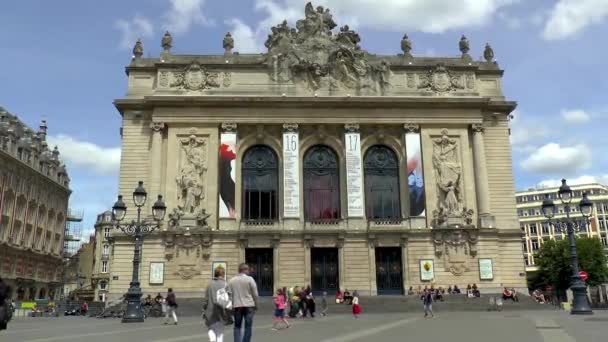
(260, 173)
(381, 168)
(321, 184)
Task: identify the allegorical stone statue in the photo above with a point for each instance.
(488, 53)
(167, 42)
(406, 46)
(464, 47)
(138, 49)
(228, 44)
(448, 174)
(191, 175)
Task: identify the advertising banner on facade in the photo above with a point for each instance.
(415, 176)
(427, 269)
(291, 175)
(354, 181)
(486, 271)
(227, 170)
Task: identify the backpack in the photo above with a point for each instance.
(223, 299)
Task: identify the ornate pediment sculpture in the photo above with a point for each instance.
(456, 247)
(313, 55)
(439, 79)
(194, 78)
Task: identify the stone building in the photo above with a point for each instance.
(537, 229)
(101, 261)
(34, 193)
(320, 163)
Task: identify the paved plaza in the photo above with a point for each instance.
(526, 326)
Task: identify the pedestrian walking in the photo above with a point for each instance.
(356, 305)
(216, 305)
(171, 306)
(311, 304)
(324, 306)
(6, 311)
(279, 310)
(427, 300)
(244, 293)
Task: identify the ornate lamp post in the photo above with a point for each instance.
(579, 289)
(138, 230)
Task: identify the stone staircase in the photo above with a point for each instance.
(389, 304)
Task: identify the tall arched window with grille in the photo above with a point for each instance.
(382, 200)
(260, 173)
(321, 185)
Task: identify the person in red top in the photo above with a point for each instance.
(279, 311)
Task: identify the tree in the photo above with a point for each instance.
(553, 261)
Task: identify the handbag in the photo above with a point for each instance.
(223, 299)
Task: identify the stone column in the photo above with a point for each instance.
(156, 158)
(481, 178)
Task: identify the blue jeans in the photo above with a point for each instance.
(239, 314)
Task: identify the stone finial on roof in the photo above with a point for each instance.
(56, 153)
(488, 53)
(167, 42)
(406, 46)
(138, 49)
(228, 44)
(464, 47)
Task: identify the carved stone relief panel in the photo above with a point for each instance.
(191, 179)
(194, 77)
(440, 80)
(456, 247)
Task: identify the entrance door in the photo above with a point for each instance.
(324, 269)
(389, 277)
(261, 269)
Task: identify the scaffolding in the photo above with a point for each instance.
(73, 231)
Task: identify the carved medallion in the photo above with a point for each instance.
(439, 79)
(456, 247)
(195, 77)
(187, 272)
(163, 79)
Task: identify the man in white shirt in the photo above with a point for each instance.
(244, 293)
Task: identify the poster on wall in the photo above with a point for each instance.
(291, 175)
(415, 177)
(157, 273)
(227, 171)
(486, 272)
(354, 181)
(220, 264)
(427, 269)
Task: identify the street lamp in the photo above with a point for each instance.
(138, 230)
(579, 289)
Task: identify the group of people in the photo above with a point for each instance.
(510, 294)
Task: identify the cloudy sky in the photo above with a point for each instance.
(64, 61)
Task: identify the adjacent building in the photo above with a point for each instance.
(101, 260)
(319, 163)
(537, 229)
(34, 193)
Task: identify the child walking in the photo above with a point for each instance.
(355, 303)
(279, 311)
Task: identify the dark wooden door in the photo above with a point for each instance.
(261, 269)
(389, 276)
(324, 269)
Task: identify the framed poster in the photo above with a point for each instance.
(157, 273)
(217, 264)
(486, 272)
(427, 269)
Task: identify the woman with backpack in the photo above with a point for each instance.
(216, 304)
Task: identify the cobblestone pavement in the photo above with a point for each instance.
(453, 326)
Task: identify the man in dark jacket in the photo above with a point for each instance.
(171, 307)
(5, 307)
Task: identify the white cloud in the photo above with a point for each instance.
(523, 132)
(131, 30)
(569, 17)
(585, 179)
(245, 40)
(576, 116)
(434, 16)
(557, 160)
(100, 160)
(183, 14)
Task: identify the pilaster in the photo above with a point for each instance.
(486, 220)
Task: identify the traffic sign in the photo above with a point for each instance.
(583, 275)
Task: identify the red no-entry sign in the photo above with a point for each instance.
(583, 275)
